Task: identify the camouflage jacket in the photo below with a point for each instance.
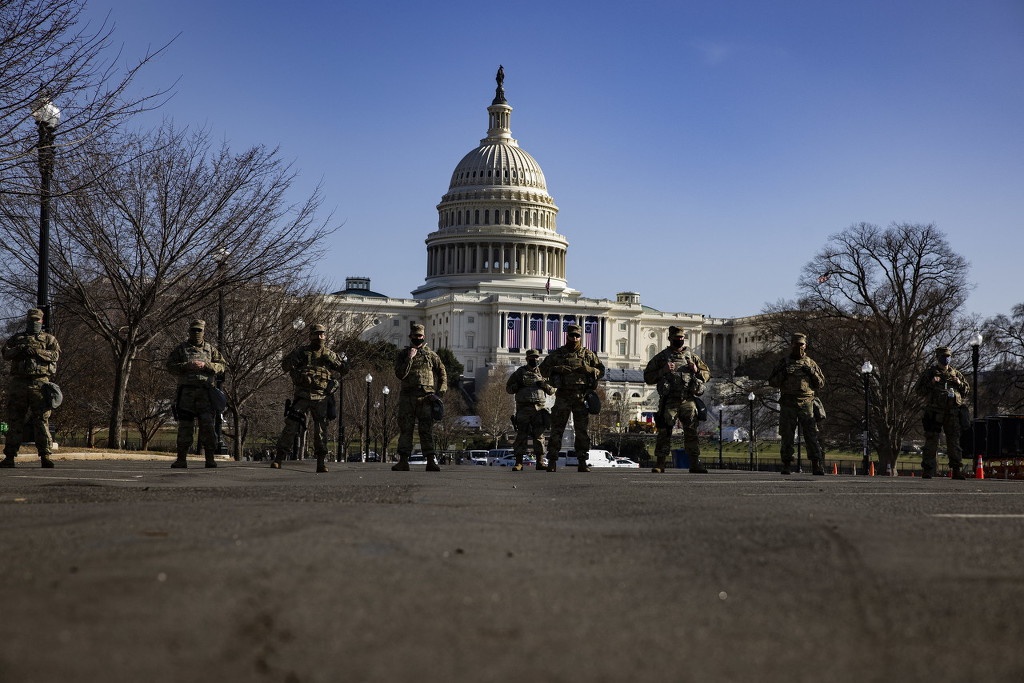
(681, 382)
(573, 369)
(32, 356)
(424, 371)
(949, 392)
(529, 385)
(311, 368)
(797, 377)
(184, 353)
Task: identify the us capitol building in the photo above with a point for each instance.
(496, 281)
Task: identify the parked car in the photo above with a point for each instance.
(474, 457)
(626, 462)
(417, 459)
(510, 460)
(496, 453)
(595, 458)
(364, 457)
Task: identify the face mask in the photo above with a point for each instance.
(195, 337)
(35, 326)
(944, 361)
(531, 362)
(677, 343)
(418, 342)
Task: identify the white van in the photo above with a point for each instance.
(495, 453)
(595, 458)
(470, 457)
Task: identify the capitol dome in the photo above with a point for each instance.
(496, 228)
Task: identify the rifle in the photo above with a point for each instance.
(299, 419)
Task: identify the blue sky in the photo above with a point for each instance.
(700, 152)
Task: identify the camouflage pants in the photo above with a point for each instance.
(935, 424)
(685, 410)
(793, 411)
(529, 427)
(194, 405)
(317, 411)
(568, 402)
(27, 411)
(413, 409)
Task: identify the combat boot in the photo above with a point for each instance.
(957, 471)
(278, 459)
(180, 462)
(432, 465)
(45, 462)
(402, 465)
(8, 461)
(321, 466)
(582, 466)
(817, 468)
(552, 465)
(210, 462)
(659, 466)
(518, 467)
(785, 469)
(697, 467)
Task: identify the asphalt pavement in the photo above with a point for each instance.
(126, 570)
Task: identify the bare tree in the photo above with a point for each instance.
(137, 248)
(885, 295)
(49, 51)
(494, 405)
(1003, 390)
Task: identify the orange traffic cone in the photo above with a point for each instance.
(835, 468)
(979, 469)
(871, 470)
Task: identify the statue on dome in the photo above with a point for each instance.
(499, 92)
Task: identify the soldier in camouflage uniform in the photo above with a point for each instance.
(574, 371)
(944, 389)
(33, 355)
(531, 390)
(424, 382)
(310, 367)
(680, 376)
(798, 378)
(196, 363)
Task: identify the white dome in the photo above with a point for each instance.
(496, 227)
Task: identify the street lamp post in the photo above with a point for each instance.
(750, 402)
(976, 340)
(47, 117)
(865, 373)
(721, 410)
(221, 257)
(298, 445)
(366, 440)
(341, 419)
(384, 453)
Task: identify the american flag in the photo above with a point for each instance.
(591, 332)
(553, 333)
(514, 332)
(537, 331)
